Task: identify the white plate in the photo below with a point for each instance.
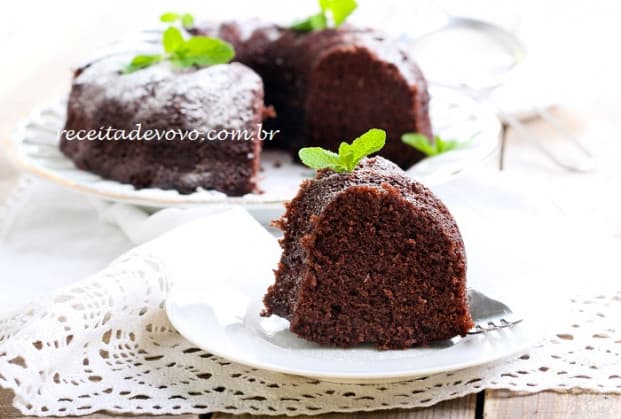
(222, 316)
(35, 148)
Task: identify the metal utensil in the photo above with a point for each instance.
(489, 314)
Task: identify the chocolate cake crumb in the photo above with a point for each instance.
(370, 256)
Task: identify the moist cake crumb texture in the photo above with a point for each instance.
(370, 256)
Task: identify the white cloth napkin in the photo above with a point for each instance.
(51, 237)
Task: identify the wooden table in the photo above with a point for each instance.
(488, 404)
(40, 46)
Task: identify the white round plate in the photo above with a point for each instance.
(221, 316)
(454, 116)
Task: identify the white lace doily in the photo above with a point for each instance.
(106, 344)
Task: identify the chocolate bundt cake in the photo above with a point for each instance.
(325, 85)
(331, 84)
(370, 256)
(226, 97)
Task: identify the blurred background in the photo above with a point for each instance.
(571, 61)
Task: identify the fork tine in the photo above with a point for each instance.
(490, 326)
(511, 321)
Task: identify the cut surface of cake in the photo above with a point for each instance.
(331, 84)
(370, 256)
(160, 98)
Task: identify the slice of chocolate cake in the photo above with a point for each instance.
(371, 256)
(334, 83)
(184, 107)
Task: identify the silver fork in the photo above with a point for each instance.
(489, 314)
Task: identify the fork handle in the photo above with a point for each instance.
(586, 166)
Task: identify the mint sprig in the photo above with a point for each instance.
(142, 61)
(311, 23)
(429, 147)
(349, 155)
(186, 19)
(196, 51)
(333, 14)
(339, 9)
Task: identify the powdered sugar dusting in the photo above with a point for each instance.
(248, 28)
(388, 50)
(220, 96)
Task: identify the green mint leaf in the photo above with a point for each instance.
(346, 155)
(318, 158)
(187, 20)
(428, 147)
(318, 22)
(442, 146)
(203, 51)
(302, 26)
(196, 51)
(312, 23)
(142, 61)
(368, 143)
(419, 142)
(169, 17)
(339, 9)
(172, 39)
(349, 155)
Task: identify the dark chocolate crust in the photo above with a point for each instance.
(222, 97)
(330, 85)
(370, 256)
